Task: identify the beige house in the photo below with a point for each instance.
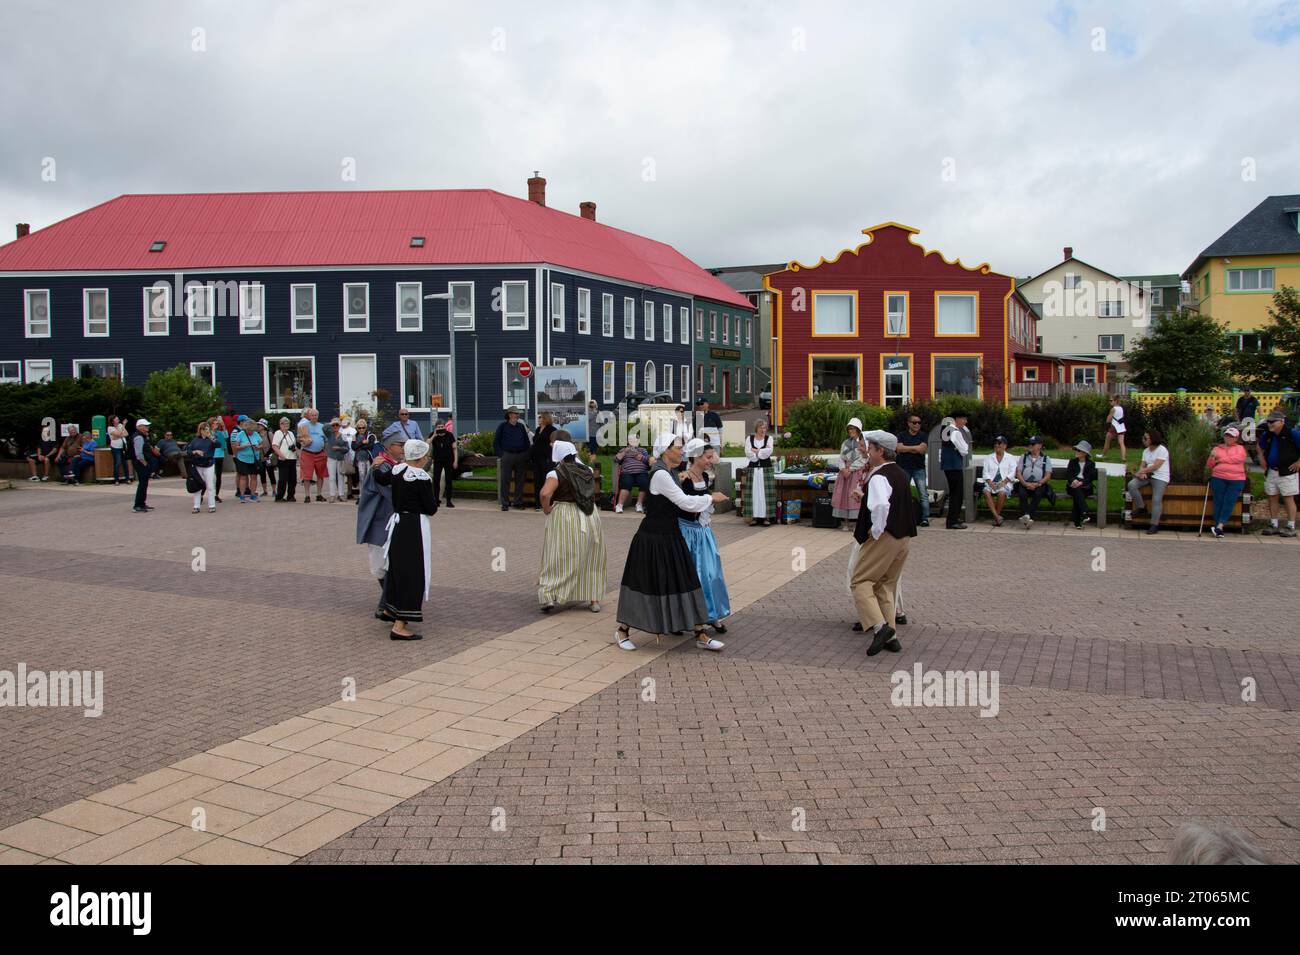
(1085, 311)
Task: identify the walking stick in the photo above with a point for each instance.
(1203, 506)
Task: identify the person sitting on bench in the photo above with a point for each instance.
(1034, 481)
(1080, 477)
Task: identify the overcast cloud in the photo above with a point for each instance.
(773, 131)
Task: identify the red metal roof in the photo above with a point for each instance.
(247, 230)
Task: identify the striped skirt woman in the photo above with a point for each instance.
(573, 550)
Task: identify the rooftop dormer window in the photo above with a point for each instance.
(417, 242)
(158, 246)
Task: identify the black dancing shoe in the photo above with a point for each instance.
(394, 635)
(883, 636)
(900, 619)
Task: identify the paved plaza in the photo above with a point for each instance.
(1142, 682)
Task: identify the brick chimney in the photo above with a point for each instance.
(587, 210)
(1069, 253)
(537, 189)
(25, 229)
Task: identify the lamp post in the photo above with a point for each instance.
(451, 336)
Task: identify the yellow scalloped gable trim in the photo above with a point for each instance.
(983, 268)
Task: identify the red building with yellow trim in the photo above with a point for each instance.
(889, 323)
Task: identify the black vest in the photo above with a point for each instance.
(1287, 452)
(899, 523)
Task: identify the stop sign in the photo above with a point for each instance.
(525, 368)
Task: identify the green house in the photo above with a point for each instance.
(725, 342)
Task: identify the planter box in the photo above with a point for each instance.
(1182, 509)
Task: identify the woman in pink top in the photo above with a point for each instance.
(1227, 462)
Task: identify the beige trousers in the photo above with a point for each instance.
(880, 564)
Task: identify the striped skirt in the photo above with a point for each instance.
(760, 493)
(573, 557)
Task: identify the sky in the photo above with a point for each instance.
(1136, 132)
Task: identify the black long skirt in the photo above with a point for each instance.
(661, 591)
(407, 577)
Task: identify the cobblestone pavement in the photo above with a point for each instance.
(1121, 691)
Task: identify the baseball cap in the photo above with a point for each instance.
(1001, 439)
(142, 421)
(1035, 440)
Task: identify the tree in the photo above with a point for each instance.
(176, 401)
(1183, 350)
(1277, 362)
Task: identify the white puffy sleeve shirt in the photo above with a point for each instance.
(662, 483)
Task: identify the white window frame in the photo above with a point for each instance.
(684, 320)
(1239, 275)
(648, 377)
(607, 314)
(629, 377)
(607, 381)
(33, 378)
(349, 315)
(204, 364)
(293, 309)
(266, 382)
(713, 379)
(78, 362)
(726, 328)
(507, 323)
(85, 313)
(1158, 297)
(699, 324)
(668, 323)
(713, 327)
(451, 302)
(505, 392)
(209, 294)
(584, 311)
(1112, 349)
(557, 318)
(890, 314)
(245, 289)
(699, 377)
(975, 314)
(1110, 308)
(668, 378)
(27, 313)
(648, 316)
(398, 314)
(1029, 374)
(1071, 281)
(629, 317)
(16, 380)
(749, 331)
(166, 291)
(684, 374)
(401, 383)
(737, 332)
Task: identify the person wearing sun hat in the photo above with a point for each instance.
(408, 549)
(853, 463)
(1080, 477)
(1033, 481)
(573, 549)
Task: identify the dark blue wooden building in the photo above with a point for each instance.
(291, 300)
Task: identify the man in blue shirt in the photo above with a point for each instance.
(1278, 453)
(247, 445)
(512, 447)
(408, 430)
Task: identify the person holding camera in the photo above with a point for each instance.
(955, 448)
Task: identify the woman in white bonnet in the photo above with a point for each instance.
(406, 585)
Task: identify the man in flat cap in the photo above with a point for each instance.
(884, 528)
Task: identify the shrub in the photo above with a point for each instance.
(176, 401)
(477, 442)
(1068, 419)
(67, 401)
(822, 421)
(1189, 443)
(1162, 417)
(986, 418)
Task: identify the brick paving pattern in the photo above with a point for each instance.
(507, 736)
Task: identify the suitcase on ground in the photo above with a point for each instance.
(823, 513)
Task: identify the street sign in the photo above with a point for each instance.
(525, 368)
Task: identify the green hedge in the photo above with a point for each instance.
(67, 401)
